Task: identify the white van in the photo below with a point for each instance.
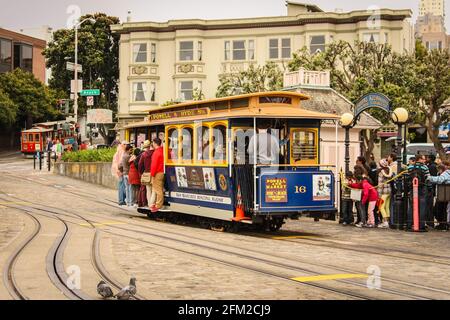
(422, 148)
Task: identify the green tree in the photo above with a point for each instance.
(8, 110)
(255, 79)
(98, 53)
(33, 100)
(362, 68)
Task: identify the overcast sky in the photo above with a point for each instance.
(17, 14)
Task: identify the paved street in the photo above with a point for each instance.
(53, 229)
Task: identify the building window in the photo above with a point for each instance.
(317, 44)
(23, 57)
(186, 90)
(200, 50)
(227, 50)
(153, 91)
(251, 50)
(140, 53)
(186, 50)
(153, 52)
(286, 48)
(273, 48)
(139, 92)
(239, 50)
(371, 37)
(5, 55)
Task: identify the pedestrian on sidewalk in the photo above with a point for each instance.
(369, 198)
(442, 208)
(157, 173)
(384, 191)
(124, 167)
(144, 167)
(59, 149)
(347, 202)
(117, 173)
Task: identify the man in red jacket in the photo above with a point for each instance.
(157, 173)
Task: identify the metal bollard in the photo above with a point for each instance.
(416, 204)
(40, 160)
(34, 161)
(49, 159)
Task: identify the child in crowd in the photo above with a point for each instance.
(384, 190)
(369, 198)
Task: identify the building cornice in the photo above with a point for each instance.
(263, 22)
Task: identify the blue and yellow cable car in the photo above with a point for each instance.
(217, 167)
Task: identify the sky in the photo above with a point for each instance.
(23, 14)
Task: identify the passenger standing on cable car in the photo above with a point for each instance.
(157, 173)
(144, 168)
(268, 147)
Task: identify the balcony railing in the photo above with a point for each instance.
(305, 77)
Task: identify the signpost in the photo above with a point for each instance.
(72, 86)
(90, 92)
(372, 100)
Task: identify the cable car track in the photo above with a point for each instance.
(265, 261)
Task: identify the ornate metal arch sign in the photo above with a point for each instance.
(372, 100)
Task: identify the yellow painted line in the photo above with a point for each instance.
(294, 237)
(102, 224)
(329, 277)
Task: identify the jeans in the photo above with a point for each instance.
(128, 191)
(347, 211)
(121, 191)
(363, 212)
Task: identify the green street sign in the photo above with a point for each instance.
(90, 92)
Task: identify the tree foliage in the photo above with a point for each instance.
(255, 79)
(26, 99)
(8, 110)
(98, 53)
(360, 68)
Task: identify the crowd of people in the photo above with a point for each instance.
(140, 172)
(371, 189)
(57, 149)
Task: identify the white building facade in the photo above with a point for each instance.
(169, 61)
(434, 7)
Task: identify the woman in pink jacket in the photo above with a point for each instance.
(369, 198)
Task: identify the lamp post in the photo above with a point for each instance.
(347, 122)
(399, 117)
(75, 94)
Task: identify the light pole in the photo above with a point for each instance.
(399, 117)
(75, 94)
(347, 122)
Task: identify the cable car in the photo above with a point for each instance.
(35, 139)
(216, 167)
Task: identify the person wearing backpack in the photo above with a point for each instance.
(419, 170)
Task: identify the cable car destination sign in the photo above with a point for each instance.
(372, 100)
(178, 114)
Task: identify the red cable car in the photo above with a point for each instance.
(35, 139)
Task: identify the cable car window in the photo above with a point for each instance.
(284, 100)
(173, 144)
(202, 143)
(24, 138)
(187, 146)
(242, 138)
(219, 140)
(304, 146)
(36, 137)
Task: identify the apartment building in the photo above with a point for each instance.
(21, 51)
(168, 61)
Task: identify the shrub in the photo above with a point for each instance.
(100, 155)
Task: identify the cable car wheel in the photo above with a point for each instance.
(273, 223)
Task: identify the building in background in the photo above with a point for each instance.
(44, 33)
(168, 61)
(434, 7)
(22, 51)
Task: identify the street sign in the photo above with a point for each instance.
(90, 101)
(71, 67)
(80, 86)
(90, 92)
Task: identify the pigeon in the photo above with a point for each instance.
(104, 290)
(127, 292)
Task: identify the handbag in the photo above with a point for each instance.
(146, 178)
(356, 194)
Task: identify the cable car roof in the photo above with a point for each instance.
(200, 110)
(37, 130)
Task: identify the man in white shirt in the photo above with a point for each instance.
(268, 147)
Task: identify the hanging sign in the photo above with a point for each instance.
(372, 100)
